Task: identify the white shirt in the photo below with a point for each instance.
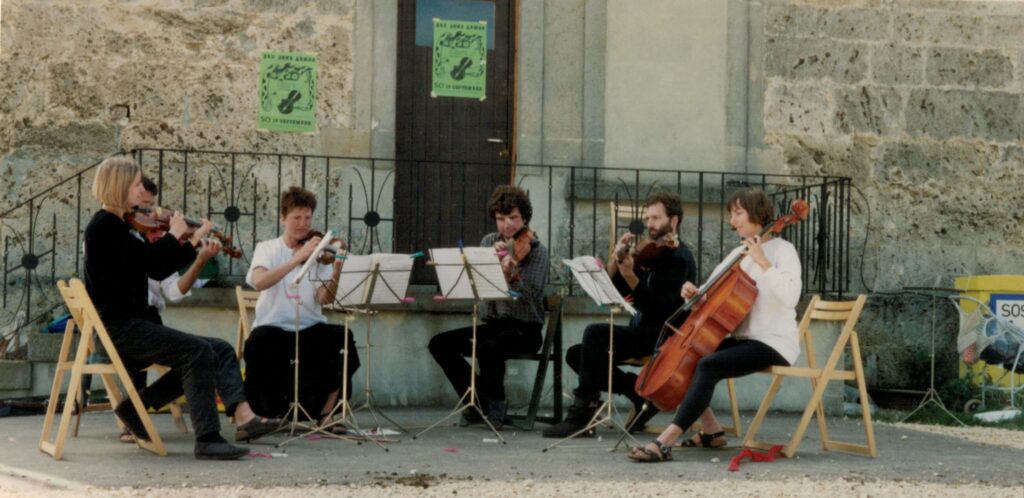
(160, 292)
(772, 319)
(274, 307)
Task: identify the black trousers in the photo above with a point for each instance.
(270, 374)
(590, 359)
(192, 361)
(497, 341)
(733, 358)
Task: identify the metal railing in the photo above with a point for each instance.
(572, 212)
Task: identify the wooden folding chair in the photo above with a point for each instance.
(246, 301)
(84, 314)
(621, 217)
(846, 312)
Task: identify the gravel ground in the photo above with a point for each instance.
(985, 435)
(429, 486)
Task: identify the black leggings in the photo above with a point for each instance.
(733, 358)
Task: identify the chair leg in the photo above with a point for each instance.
(766, 403)
(865, 409)
(809, 411)
(737, 425)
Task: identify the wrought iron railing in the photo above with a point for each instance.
(572, 214)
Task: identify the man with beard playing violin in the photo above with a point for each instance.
(511, 327)
(652, 276)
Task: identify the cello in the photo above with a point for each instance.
(722, 303)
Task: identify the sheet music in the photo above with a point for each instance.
(595, 281)
(451, 277)
(392, 278)
(487, 274)
(353, 283)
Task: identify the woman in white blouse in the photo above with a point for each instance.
(767, 337)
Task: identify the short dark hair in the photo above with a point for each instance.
(508, 197)
(150, 185)
(756, 203)
(673, 205)
(297, 197)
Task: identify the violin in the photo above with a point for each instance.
(647, 252)
(335, 249)
(718, 309)
(154, 220)
(519, 247)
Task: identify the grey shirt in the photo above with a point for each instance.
(533, 276)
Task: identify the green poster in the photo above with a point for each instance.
(287, 91)
(460, 59)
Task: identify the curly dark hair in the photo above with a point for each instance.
(756, 203)
(673, 205)
(508, 197)
(297, 197)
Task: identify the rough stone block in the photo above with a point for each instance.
(15, 375)
(965, 67)
(794, 20)
(950, 162)
(897, 65)
(798, 109)
(934, 26)
(847, 155)
(1005, 31)
(945, 114)
(44, 347)
(857, 24)
(870, 109)
(793, 58)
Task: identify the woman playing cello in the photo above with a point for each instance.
(766, 338)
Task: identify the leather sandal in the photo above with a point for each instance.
(255, 429)
(643, 454)
(707, 441)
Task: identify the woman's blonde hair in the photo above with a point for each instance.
(114, 178)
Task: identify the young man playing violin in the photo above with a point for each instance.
(767, 337)
(510, 327)
(270, 348)
(117, 265)
(652, 275)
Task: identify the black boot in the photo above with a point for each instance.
(580, 414)
(641, 413)
(496, 411)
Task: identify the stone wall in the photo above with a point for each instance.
(78, 80)
(922, 104)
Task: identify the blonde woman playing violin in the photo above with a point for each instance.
(117, 265)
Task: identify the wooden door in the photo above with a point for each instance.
(451, 151)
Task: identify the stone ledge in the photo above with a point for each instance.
(15, 375)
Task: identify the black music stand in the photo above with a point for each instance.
(365, 281)
(469, 273)
(592, 277)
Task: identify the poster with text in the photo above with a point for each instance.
(287, 95)
(460, 59)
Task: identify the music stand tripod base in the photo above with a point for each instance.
(605, 414)
(469, 398)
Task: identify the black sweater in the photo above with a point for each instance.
(117, 265)
(657, 294)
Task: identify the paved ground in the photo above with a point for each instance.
(449, 459)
